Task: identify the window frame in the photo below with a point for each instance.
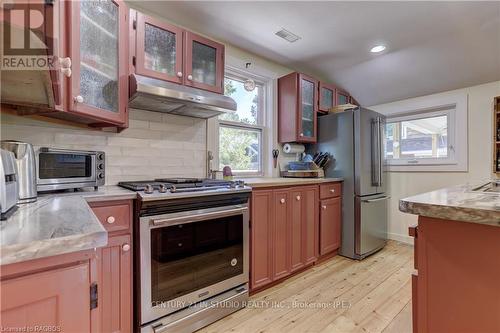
(262, 121)
(449, 112)
(455, 105)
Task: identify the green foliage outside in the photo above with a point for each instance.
(235, 144)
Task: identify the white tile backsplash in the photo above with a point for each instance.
(155, 144)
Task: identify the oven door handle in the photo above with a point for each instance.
(198, 217)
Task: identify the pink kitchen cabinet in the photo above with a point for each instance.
(98, 49)
(166, 52)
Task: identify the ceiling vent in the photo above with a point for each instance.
(287, 35)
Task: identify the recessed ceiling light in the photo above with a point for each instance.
(287, 35)
(377, 49)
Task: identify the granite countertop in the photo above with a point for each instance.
(280, 181)
(55, 224)
(104, 193)
(457, 203)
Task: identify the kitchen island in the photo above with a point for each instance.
(457, 258)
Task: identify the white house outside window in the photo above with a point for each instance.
(241, 133)
(426, 133)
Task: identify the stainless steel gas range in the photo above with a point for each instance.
(191, 250)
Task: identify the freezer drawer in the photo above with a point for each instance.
(371, 223)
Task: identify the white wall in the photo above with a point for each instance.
(480, 141)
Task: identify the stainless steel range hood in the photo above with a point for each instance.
(161, 96)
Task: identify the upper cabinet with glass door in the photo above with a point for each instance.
(341, 97)
(204, 63)
(166, 52)
(98, 47)
(308, 108)
(326, 97)
(297, 108)
(158, 51)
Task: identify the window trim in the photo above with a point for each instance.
(457, 127)
(449, 112)
(263, 122)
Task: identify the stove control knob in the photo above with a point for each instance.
(173, 189)
(148, 189)
(162, 188)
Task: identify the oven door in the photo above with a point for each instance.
(57, 167)
(190, 256)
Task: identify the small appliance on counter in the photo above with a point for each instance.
(26, 169)
(8, 184)
(62, 169)
(306, 166)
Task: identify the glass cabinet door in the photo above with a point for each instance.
(326, 97)
(308, 108)
(98, 79)
(342, 98)
(204, 63)
(159, 49)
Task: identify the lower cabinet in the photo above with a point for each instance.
(455, 287)
(86, 291)
(284, 232)
(115, 288)
(114, 264)
(261, 238)
(330, 225)
(56, 300)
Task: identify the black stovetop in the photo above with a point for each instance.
(170, 182)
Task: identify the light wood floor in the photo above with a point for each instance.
(339, 295)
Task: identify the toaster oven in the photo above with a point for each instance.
(59, 169)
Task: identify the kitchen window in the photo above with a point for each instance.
(241, 134)
(427, 139)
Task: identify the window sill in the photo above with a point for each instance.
(427, 168)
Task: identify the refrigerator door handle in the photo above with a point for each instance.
(378, 199)
(376, 166)
(381, 134)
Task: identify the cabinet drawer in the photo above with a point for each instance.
(114, 215)
(331, 190)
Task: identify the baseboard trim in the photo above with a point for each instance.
(400, 238)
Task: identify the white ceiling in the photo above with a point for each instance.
(431, 46)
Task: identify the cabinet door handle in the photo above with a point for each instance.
(66, 71)
(179, 74)
(298, 198)
(126, 247)
(332, 190)
(190, 77)
(301, 134)
(282, 200)
(78, 99)
(323, 207)
(111, 219)
(65, 62)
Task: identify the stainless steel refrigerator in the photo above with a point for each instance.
(356, 140)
